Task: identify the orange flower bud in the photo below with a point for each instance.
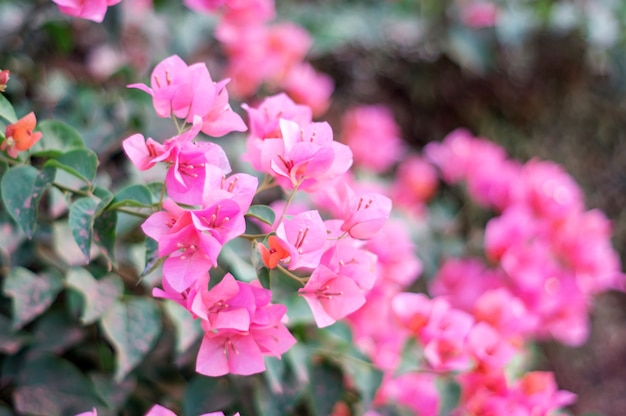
(20, 135)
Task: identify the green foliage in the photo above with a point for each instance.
(98, 295)
(31, 294)
(22, 189)
(132, 326)
(51, 386)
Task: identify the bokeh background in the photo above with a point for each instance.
(544, 78)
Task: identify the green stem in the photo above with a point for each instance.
(10, 161)
(268, 183)
(301, 280)
(64, 188)
(252, 237)
(289, 200)
(129, 212)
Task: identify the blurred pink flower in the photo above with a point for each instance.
(91, 10)
(307, 86)
(373, 136)
(479, 13)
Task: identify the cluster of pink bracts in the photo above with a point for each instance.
(205, 209)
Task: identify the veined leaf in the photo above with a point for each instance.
(82, 163)
(81, 221)
(32, 294)
(133, 327)
(98, 295)
(6, 110)
(262, 213)
(22, 188)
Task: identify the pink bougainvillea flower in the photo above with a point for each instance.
(145, 153)
(227, 351)
(239, 187)
(368, 127)
(264, 123)
(206, 6)
(220, 307)
(479, 13)
(158, 410)
(304, 236)
(416, 181)
(331, 296)
(346, 258)
(417, 391)
(189, 92)
(364, 215)
(549, 191)
(236, 11)
(235, 351)
(398, 263)
(86, 9)
(488, 347)
(304, 155)
(537, 392)
(461, 281)
(94, 412)
(191, 254)
(20, 135)
(224, 220)
(307, 86)
(170, 89)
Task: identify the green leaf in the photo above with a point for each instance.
(81, 163)
(99, 295)
(280, 393)
(55, 332)
(104, 235)
(114, 393)
(449, 394)
(132, 327)
(10, 342)
(132, 196)
(262, 213)
(263, 274)
(31, 294)
(365, 376)
(22, 189)
(6, 110)
(57, 138)
(188, 330)
(81, 221)
(51, 386)
(206, 394)
(326, 387)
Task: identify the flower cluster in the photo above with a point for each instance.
(206, 204)
(477, 322)
(264, 53)
(550, 254)
(204, 210)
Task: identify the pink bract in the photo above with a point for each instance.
(365, 128)
(331, 296)
(94, 10)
